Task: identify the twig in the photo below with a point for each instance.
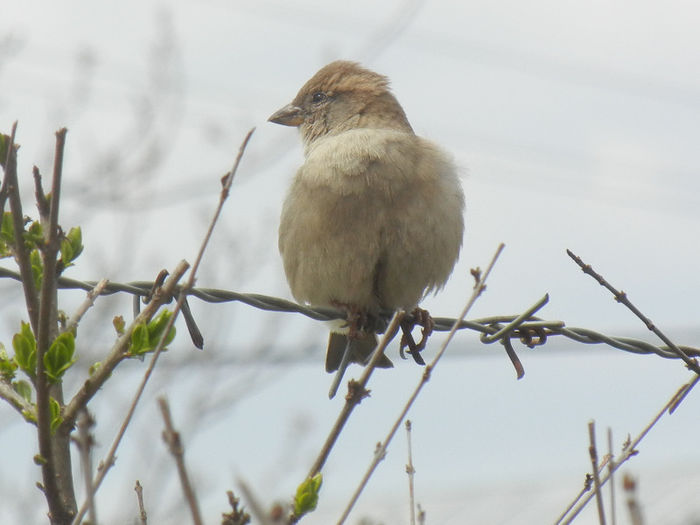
(85, 443)
(16, 401)
(11, 186)
(593, 452)
(143, 517)
(237, 516)
(254, 504)
(57, 481)
(621, 297)
(411, 472)
(629, 450)
(159, 347)
(118, 352)
(92, 295)
(611, 471)
(356, 392)
(479, 287)
(172, 439)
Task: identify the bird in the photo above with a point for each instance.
(373, 220)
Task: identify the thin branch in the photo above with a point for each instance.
(593, 453)
(118, 352)
(629, 450)
(21, 253)
(411, 473)
(254, 504)
(611, 471)
(172, 439)
(16, 401)
(356, 392)
(85, 444)
(143, 517)
(621, 297)
(479, 287)
(89, 301)
(228, 179)
(61, 508)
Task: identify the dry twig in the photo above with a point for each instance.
(143, 517)
(629, 450)
(593, 452)
(379, 454)
(226, 184)
(411, 472)
(172, 439)
(621, 297)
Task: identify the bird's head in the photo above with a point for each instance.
(342, 96)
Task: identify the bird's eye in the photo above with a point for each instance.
(318, 97)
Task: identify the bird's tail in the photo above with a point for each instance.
(342, 351)
(360, 351)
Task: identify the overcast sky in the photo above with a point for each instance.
(576, 125)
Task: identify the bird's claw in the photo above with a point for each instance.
(419, 317)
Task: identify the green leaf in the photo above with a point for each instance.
(7, 365)
(306, 497)
(4, 145)
(24, 346)
(24, 389)
(37, 267)
(34, 235)
(157, 326)
(145, 337)
(7, 234)
(71, 246)
(139, 340)
(59, 357)
(56, 418)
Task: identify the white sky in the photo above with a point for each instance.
(577, 126)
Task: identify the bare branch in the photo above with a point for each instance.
(116, 355)
(411, 472)
(85, 443)
(172, 439)
(479, 287)
(629, 450)
(21, 253)
(593, 453)
(621, 297)
(228, 179)
(143, 517)
(16, 401)
(92, 295)
(254, 504)
(118, 352)
(611, 471)
(356, 392)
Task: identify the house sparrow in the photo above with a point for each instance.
(373, 220)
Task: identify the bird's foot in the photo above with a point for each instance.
(419, 317)
(359, 322)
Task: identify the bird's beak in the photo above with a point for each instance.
(289, 115)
